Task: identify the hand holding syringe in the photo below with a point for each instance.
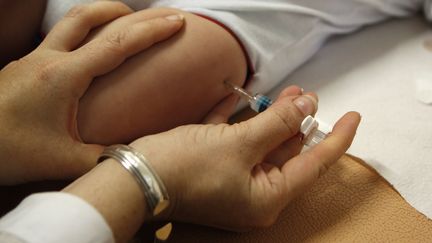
(259, 103)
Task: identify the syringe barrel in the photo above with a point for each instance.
(260, 103)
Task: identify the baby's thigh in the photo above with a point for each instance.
(173, 83)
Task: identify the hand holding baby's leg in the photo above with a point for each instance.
(176, 82)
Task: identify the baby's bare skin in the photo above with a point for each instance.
(173, 83)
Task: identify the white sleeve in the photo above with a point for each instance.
(280, 35)
(54, 217)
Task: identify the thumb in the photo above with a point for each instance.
(280, 122)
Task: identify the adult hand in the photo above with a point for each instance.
(39, 93)
(241, 176)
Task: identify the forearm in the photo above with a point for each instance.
(116, 195)
(108, 188)
(174, 83)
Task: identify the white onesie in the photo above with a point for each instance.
(279, 35)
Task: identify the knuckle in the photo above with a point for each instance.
(48, 70)
(116, 42)
(24, 63)
(77, 11)
(26, 60)
(45, 72)
(15, 64)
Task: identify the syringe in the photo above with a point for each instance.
(258, 102)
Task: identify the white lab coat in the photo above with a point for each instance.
(54, 217)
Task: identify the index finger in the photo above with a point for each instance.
(303, 170)
(69, 32)
(103, 54)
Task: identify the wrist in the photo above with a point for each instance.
(116, 195)
(151, 185)
(160, 165)
(142, 171)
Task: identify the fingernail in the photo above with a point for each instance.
(306, 104)
(175, 17)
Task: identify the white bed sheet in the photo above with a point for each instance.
(385, 73)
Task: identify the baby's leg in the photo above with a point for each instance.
(173, 83)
